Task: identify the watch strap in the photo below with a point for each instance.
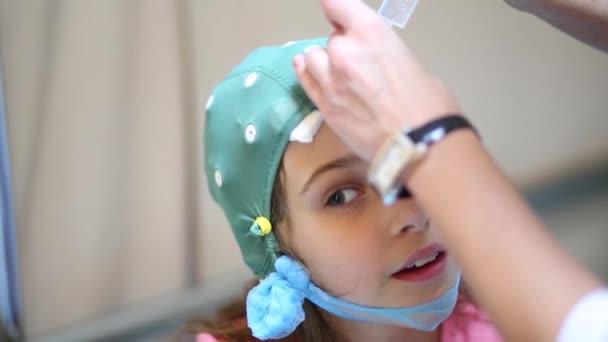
(436, 130)
(433, 132)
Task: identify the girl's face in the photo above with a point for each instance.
(354, 247)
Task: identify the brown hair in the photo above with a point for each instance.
(229, 322)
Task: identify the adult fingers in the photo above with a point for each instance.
(317, 64)
(307, 81)
(344, 14)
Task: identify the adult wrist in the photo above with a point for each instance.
(454, 151)
(403, 149)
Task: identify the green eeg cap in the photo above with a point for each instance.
(249, 118)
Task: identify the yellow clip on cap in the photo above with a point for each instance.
(265, 227)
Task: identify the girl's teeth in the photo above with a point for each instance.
(425, 261)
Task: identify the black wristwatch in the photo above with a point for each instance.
(403, 149)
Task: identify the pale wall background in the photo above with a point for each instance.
(105, 104)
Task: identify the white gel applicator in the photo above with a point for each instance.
(306, 130)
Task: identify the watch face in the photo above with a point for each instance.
(390, 163)
(403, 149)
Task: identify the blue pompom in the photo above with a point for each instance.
(274, 307)
(293, 272)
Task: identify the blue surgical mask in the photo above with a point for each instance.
(274, 307)
(425, 316)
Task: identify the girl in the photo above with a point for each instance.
(335, 264)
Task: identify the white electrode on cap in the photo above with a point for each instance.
(397, 12)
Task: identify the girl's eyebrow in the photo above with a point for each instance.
(342, 162)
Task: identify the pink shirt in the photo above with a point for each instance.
(466, 324)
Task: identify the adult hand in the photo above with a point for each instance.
(367, 83)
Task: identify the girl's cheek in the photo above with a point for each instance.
(338, 276)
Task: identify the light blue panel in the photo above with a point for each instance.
(10, 296)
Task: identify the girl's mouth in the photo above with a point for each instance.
(425, 264)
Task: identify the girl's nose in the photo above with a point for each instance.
(408, 217)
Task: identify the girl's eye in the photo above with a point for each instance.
(342, 197)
